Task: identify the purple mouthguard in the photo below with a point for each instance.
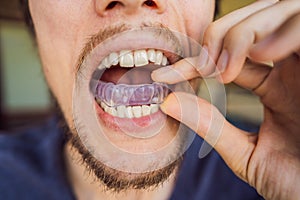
(131, 95)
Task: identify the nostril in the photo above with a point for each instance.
(112, 4)
(130, 5)
(150, 3)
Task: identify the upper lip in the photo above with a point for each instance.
(130, 39)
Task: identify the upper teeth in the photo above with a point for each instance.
(137, 58)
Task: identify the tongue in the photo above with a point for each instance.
(132, 76)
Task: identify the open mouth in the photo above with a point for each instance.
(124, 88)
(116, 103)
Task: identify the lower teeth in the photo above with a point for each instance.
(130, 111)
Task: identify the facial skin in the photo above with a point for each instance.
(63, 29)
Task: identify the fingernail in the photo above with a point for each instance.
(163, 74)
(223, 61)
(168, 101)
(203, 57)
(163, 105)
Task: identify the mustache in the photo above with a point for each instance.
(106, 33)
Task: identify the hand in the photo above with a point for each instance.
(239, 42)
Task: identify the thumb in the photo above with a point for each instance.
(234, 145)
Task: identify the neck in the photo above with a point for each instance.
(86, 186)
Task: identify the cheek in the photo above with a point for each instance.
(198, 15)
(56, 31)
(58, 46)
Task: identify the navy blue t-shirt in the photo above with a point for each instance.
(32, 168)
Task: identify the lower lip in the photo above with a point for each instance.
(135, 126)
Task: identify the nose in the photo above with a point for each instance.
(103, 7)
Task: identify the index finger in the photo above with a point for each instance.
(185, 69)
(204, 64)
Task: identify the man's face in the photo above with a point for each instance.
(80, 39)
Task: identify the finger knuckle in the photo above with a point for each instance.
(237, 33)
(212, 33)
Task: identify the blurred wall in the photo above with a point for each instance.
(227, 6)
(24, 86)
(24, 94)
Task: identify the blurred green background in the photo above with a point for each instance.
(24, 95)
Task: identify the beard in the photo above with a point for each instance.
(114, 180)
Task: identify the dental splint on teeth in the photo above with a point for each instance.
(131, 101)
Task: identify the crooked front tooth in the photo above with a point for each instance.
(140, 58)
(126, 58)
(159, 58)
(113, 58)
(151, 55)
(137, 111)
